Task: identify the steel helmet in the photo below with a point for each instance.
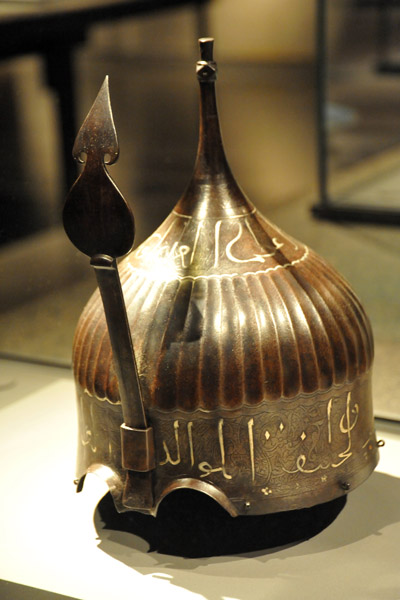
(250, 376)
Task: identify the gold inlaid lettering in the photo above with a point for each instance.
(168, 458)
(190, 436)
(250, 426)
(347, 427)
(216, 255)
(205, 467)
(88, 440)
(329, 410)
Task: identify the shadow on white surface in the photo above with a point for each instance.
(357, 556)
(192, 525)
(19, 380)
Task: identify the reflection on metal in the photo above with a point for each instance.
(253, 354)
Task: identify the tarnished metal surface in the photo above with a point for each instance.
(137, 449)
(254, 355)
(99, 222)
(96, 217)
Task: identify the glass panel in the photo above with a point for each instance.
(267, 121)
(362, 103)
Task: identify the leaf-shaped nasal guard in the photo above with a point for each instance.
(96, 217)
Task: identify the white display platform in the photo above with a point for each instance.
(48, 538)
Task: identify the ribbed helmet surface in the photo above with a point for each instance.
(277, 322)
(254, 354)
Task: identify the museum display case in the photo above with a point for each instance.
(57, 543)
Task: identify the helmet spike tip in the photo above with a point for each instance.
(206, 48)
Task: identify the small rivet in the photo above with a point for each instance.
(76, 481)
(247, 505)
(345, 485)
